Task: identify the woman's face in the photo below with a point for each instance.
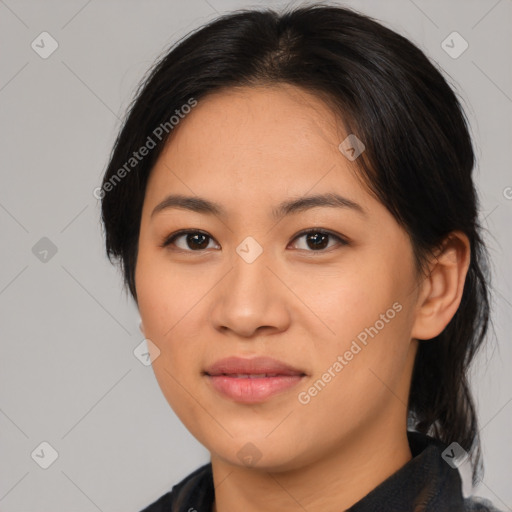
(336, 307)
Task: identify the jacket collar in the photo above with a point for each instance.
(427, 483)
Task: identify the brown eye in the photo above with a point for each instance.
(189, 241)
(318, 240)
(197, 241)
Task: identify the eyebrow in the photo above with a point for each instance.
(291, 206)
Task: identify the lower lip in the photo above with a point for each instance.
(248, 390)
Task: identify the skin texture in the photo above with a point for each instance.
(249, 149)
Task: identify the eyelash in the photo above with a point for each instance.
(168, 240)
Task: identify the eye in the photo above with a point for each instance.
(317, 240)
(314, 240)
(191, 241)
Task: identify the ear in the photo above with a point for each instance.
(141, 327)
(441, 290)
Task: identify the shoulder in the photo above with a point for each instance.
(195, 488)
(478, 504)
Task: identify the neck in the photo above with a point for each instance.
(333, 483)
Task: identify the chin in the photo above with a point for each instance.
(257, 455)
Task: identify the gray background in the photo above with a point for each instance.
(68, 375)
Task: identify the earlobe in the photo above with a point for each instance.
(441, 291)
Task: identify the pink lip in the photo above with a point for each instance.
(240, 379)
(234, 365)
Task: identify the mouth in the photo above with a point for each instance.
(252, 380)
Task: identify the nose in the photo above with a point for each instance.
(250, 300)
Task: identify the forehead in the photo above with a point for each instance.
(254, 142)
(280, 119)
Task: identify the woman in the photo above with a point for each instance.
(292, 205)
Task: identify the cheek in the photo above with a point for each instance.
(358, 379)
(169, 301)
(362, 315)
(343, 302)
(178, 369)
(166, 294)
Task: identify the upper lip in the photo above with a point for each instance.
(256, 365)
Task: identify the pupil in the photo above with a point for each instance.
(319, 240)
(194, 238)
